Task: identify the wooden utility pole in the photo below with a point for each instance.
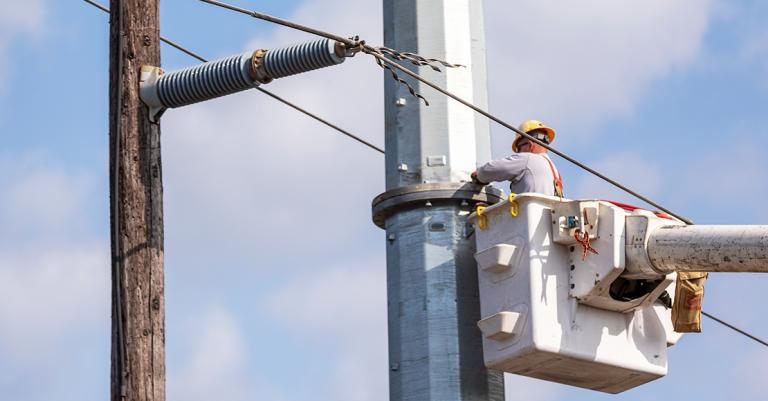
(136, 196)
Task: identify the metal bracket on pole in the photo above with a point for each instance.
(148, 91)
(402, 198)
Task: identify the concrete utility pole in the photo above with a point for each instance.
(138, 303)
(435, 351)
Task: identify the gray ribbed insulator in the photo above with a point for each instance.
(233, 74)
(205, 81)
(300, 58)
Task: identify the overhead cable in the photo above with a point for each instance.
(380, 57)
(262, 90)
(255, 14)
(734, 328)
(341, 130)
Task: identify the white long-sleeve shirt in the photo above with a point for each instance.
(526, 172)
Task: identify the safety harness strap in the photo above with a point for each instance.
(558, 181)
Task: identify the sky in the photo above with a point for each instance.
(275, 275)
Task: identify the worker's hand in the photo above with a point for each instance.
(475, 180)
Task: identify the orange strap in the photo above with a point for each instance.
(558, 180)
(585, 246)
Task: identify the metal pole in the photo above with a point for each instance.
(709, 248)
(435, 350)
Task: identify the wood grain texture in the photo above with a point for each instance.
(137, 210)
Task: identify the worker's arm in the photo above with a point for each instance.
(509, 168)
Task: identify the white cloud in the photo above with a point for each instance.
(354, 295)
(54, 274)
(642, 175)
(26, 16)
(751, 46)
(43, 197)
(18, 18)
(756, 51)
(214, 366)
(726, 182)
(49, 297)
(580, 63)
(722, 185)
(338, 311)
(41, 201)
(343, 310)
(525, 388)
(750, 384)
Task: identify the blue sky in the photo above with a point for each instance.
(275, 274)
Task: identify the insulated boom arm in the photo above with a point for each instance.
(704, 248)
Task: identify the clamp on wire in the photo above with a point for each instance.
(349, 51)
(382, 52)
(416, 59)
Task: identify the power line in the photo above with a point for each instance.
(284, 22)
(345, 132)
(262, 90)
(379, 56)
(734, 328)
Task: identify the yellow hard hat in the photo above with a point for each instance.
(532, 125)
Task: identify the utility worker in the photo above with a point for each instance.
(529, 168)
